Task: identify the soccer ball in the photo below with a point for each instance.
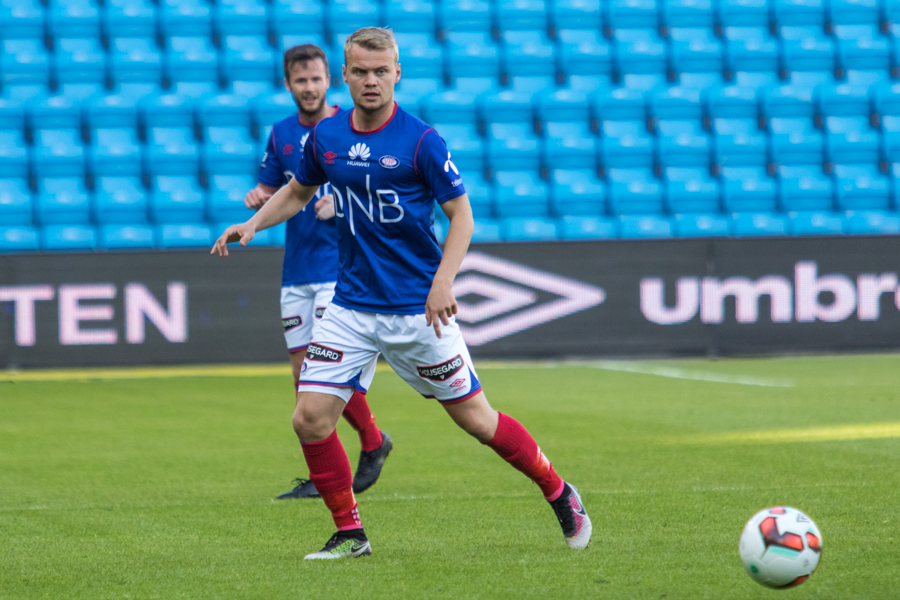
(780, 547)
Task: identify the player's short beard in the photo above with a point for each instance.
(311, 113)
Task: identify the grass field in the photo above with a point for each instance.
(160, 485)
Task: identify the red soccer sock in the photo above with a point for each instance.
(516, 446)
(362, 420)
(329, 469)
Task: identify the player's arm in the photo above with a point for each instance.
(284, 204)
(258, 196)
(441, 303)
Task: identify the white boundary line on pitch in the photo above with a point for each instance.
(679, 373)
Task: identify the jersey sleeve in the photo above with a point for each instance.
(434, 166)
(310, 172)
(270, 172)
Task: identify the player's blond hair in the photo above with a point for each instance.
(372, 38)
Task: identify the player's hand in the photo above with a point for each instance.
(325, 208)
(440, 305)
(255, 198)
(242, 233)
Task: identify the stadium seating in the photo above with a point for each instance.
(140, 123)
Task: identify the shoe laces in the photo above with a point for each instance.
(563, 509)
(299, 482)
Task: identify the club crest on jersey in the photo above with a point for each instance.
(359, 155)
(389, 162)
(442, 371)
(323, 354)
(291, 322)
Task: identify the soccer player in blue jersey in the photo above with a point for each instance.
(394, 293)
(310, 258)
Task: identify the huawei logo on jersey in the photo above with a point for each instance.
(358, 156)
(329, 157)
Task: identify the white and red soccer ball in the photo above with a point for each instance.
(780, 547)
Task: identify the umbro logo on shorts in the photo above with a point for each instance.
(442, 371)
(320, 311)
(291, 322)
(323, 354)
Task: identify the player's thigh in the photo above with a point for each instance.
(342, 355)
(439, 368)
(297, 315)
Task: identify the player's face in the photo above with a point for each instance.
(308, 83)
(371, 75)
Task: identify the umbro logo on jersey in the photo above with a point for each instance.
(288, 150)
(389, 162)
(359, 155)
(442, 371)
(323, 354)
(291, 322)
(329, 157)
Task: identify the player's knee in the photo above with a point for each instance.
(479, 427)
(309, 426)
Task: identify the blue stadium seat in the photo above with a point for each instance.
(690, 190)
(695, 51)
(171, 150)
(640, 58)
(79, 67)
(507, 106)
(588, 83)
(732, 113)
(515, 15)
(742, 13)
(54, 112)
(687, 13)
(229, 150)
(269, 109)
(134, 60)
(167, 110)
(625, 144)
(645, 226)
(758, 224)
(24, 61)
(799, 12)
(25, 17)
(807, 56)
(464, 15)
(410, 16)
(113, 110)
(18, 238)
(486, 231)
(16, 203)
(129, 18)
(289, 40)
(226, 110)
(57, 153)
(184, 17)
(848, 134)
(576, 14)
(465, 146)
(191, 60)
(62, 200)
(587, 228)
(702, 225)
(184, 235)
(571, 145)
(529, 229)
(890, 137)
(69, 237)
(73, 18)
(288, 17)
(634, 191)
(176, 199)
(861, 187)
(248, 58)
(794, 139)
(119, 200)
(114, 152)
(350, 15)
(756, 80)
(13, 154)
(747, 189)
(240, 17)
(583, 52)
(472, 55)
(631, 14)
(125, 237)
(226, 198)
(869, 222)
(528, 53)
(803, 188)
(520, 194)
(451, 106)
(675, 104)
(682, 143)
(864, 55)
(750, 49)
(576, 192)
(480, 194)
(12, 114)
(420, 57)
(563, 106)
(815, 223)
(853, 11)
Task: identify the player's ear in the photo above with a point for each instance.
(397, 79)
(344, 73)
(287, 84)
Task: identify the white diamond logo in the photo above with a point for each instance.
(359, 151)
(511, 303)
(303, 140)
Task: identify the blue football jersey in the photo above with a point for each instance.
(310, 245)
(385, 183)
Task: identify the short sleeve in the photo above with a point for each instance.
(310, 172)
(270, 172)
(434, 165)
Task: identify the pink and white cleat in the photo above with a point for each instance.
(576, 524)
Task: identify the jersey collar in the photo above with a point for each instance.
(391, 118)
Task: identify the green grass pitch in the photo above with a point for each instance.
(163, 487)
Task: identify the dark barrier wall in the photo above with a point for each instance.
(542, 300)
